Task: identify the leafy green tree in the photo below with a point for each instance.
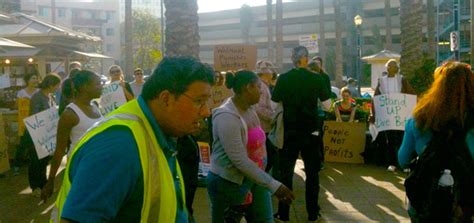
(146, 40)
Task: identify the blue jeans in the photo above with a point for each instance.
(227, 199)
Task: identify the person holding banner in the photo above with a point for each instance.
(124, 169)
(24, 95)
(116, 75)
(237, 182)
(345, 108)
(299, 90)
(447, 106)
(40, 101)
(78, 116)
(391, 139)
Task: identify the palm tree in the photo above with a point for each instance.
(322, 38)
(472, 33)
(388, 25)
(182, 30)
(339, 53)
(411, 36)
(431, 29)
(128, 40)
(246, 20)
(270, 29)
(279, 33)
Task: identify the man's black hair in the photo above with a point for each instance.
(175, 74)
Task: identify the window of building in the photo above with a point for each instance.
(110, 48)
(109, 15)
(61, 13)
(109, 31)
(92, 14)
(43, 11)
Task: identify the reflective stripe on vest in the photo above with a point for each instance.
(159, 195)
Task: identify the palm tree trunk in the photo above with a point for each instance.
(411, 36)
(338, 59)
(270, 29)
(472, 33)
(128, 40)
(182, 30)
(388, 25)
(279, 34)
(322, 38)
(431, 29)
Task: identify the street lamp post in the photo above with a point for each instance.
(358, 23)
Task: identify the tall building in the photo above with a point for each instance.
(95, 17)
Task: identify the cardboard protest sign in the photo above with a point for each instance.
(112, 97)
(235, 57)
(43, 127)
(205, 158)
(5, 81)
(393, 110)
(218, 95)
(4, 160)
(23, 112)
(344, 141)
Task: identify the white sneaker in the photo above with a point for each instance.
(392, 168)
(36, 192)
(407, 170)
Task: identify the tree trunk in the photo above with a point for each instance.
(279, 34)
(128, 69)
(431, 29)
(411, 37)
(472, 33)
(339, 53)
(388, 25)
(270, 30)
(182, 30)
(322, 38)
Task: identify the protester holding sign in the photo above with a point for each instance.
(391, 139)
(445, 111)
(40, 101)
(345, 108)
(78, 116)
(23, 99)
(116, 75)
(237, 182)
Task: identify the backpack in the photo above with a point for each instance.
(432, 203)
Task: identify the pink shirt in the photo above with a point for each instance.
(256, 146)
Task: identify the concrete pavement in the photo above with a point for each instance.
(349, 193)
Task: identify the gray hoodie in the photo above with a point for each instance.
(229, 158)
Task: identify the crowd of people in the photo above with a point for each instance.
(140, 162)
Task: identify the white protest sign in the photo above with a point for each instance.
(4, 81)
(112, 97)
(310, 42)
(43, 128)
(393, 110)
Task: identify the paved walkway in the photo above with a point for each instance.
(349, 193)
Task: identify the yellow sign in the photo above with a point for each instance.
(344, 142)
(23, 112)
(4, 161)
(235, 57)
(218, 95)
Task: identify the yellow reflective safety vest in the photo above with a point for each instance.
(159, 193)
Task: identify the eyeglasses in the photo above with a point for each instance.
(115, 71)
(138, 74)
(199, 103)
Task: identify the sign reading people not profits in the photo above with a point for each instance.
(393, 110)
(344, 141)
(235, 57)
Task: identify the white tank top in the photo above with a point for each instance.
(85, 122)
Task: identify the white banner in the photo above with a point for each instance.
(43, 128)
(5, 81)
(393, 110)
(112, 97)
(310, 42)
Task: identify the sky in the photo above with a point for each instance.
(217, 5)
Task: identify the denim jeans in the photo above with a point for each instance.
(227, 199)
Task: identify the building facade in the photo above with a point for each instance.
(97, 17)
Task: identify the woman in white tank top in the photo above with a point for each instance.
(76, 119)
